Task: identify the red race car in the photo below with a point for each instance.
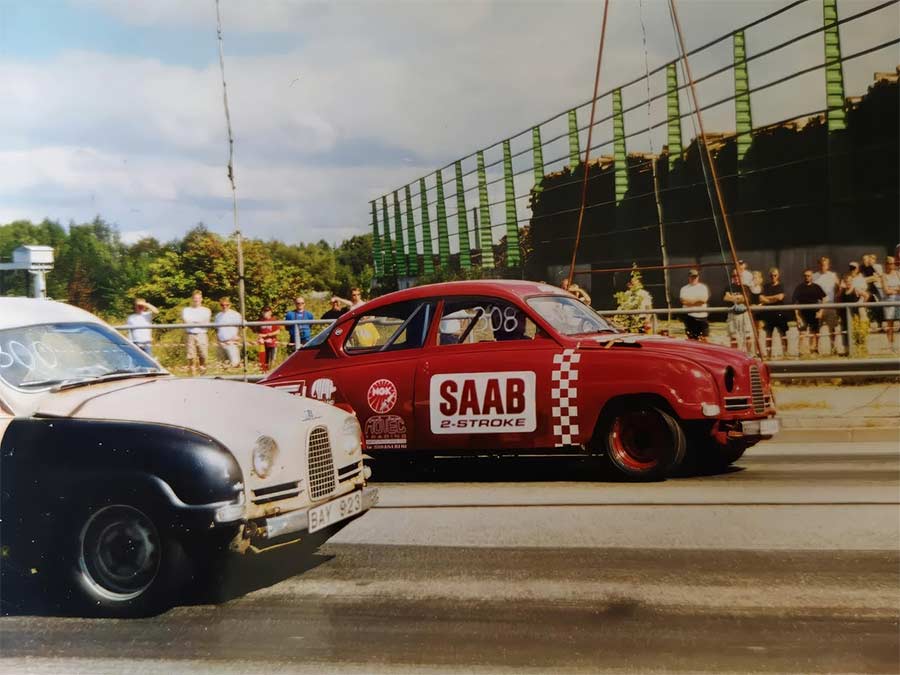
(516, 367)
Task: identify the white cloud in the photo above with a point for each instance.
(372, 95)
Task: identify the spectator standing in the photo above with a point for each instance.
(299, 333)
(577, 291)
(890, 285)
(355, 300)
(336, 311)
(268, 340)
(772, 296)
(695, 294)
(808, 320)
(139, 320)
(740, 327)
(197, 339)
(227, 335)
(828, 281)
(871, 271)
(849, 289)
(746, 274)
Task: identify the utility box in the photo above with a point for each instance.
(33, 258)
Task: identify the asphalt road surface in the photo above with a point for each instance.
(788, 563)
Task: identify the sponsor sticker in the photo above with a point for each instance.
(323, 389)
(385, 432)
(382, 396)
(483, 403)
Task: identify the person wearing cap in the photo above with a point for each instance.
(299, 333)
(695, 294)
(138, 321)
(335, 310)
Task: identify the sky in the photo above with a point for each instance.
(114, 108)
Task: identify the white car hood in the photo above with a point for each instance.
(233, 413)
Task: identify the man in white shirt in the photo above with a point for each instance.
(695, 294)
(746, 274)
(139, 320)
(197, 340)
(228, 335)
(828, 281)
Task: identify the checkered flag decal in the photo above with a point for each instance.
(564, 394)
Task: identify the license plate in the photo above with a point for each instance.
(769, 427)
(335, 511)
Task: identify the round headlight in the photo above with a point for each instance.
(351, 435)
(264, 453)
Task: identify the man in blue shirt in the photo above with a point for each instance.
(299, 333)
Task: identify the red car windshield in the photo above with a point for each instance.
(569, 316)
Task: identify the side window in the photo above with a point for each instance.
(483, 320)
(400, 326)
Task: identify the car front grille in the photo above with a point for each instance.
(321, 464)
(756, 390)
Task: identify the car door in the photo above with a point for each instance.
(484, 383)
(381, 350)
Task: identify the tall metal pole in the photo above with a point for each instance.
(662, 240)
(237, 230)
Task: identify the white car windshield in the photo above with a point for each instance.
(569, 316)
(35, 358)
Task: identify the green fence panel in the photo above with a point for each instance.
(443, 235)
(412, 253)
(537, 153)
(484, 215)
(513, 255)
(390, 268)
(673, 115)
(376, 244)
(619, 154)
(462, 221)
(834, 74)
(427, 244)
(742, 112)
(399, 251)
(574, 147)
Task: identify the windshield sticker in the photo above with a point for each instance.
(382, 396)
(564, 397)
(323, 390)
(483, 403)
(386, 432)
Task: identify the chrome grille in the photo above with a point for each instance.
(321, 464)
(735, 403)
(756, 390)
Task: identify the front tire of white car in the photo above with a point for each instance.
(122, 563)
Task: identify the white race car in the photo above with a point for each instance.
(117, 476)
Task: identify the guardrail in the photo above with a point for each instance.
(865, 350)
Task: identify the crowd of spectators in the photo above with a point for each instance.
(862, 282)
(227, 323)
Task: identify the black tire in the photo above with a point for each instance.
(121, 561)
(712, 457)
(642, 443)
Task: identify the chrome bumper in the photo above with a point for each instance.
(761, 428)
(298, 521)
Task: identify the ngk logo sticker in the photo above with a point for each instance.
(483, 403)
(382, 396)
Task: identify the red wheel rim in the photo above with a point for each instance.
(639, 440)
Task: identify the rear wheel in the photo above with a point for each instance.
(643, 443)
